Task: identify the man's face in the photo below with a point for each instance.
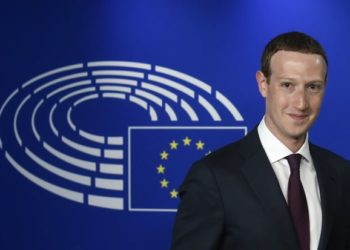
(294, 93)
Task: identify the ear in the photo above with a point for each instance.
(262, 83)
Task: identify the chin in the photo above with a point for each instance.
(297, 135)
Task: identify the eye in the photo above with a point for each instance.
(286, 84)
(315, 87)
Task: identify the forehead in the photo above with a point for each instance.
(297, 63)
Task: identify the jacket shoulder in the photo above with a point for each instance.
(324, 153)
(234, 154)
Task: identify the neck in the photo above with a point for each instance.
(293, 144)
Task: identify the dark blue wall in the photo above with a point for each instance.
(218, 42)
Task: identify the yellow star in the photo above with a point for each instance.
(161, 169)
(187, 141)
(164, 183)
(200, 145)
(164, 155)
(173, 144)
(173, 194)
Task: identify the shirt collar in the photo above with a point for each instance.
(275, 149)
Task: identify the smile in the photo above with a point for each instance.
(298, 117)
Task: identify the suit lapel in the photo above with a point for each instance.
(327, 183)
(261, 177)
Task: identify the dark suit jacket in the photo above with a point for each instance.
(231, 200)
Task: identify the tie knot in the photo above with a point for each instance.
(294, 161)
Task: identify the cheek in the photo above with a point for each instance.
(277, 96)
(315, 103)
(276, 100)
(280, 102)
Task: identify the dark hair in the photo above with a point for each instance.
(291, 41)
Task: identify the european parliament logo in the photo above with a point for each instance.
(114, 134)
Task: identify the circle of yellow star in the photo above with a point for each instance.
(200, 145)
(173, 194)
(161, 169)
(173, 144)
(187, 141)
(164, 155)
(164, 183)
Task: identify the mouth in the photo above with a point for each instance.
(298, 117)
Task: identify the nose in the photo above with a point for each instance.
(301, 99)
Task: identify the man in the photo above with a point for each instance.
(272, 190)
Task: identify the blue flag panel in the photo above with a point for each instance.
(160, 157)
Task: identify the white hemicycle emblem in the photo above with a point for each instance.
(43, 138)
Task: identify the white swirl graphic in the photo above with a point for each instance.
(42, 139)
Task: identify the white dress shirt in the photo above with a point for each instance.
(276, 152)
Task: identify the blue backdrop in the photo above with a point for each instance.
(105, 104)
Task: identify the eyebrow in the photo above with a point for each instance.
(293, 79)
(286, 78)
